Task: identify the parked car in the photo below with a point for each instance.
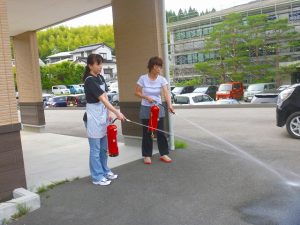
(254, 89)
(75, 89)
(193, 99)
(183, 90)
(288, 110)
(232, 90)
(60, 90)
(210, 90)
(46, 98)
(114, 87)
(113, 98)
(76, 100)
(283, 87)
(58, 101)
(227, 102)
(82, 86)
(265, 97)
(172, 87)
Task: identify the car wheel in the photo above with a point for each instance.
(293, 125)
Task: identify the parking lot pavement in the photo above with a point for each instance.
(211, 182)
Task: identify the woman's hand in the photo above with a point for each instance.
(150, 100)
(171, 109)
(120, 116)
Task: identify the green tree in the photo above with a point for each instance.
(225, 50)
(255, 28)
(282, 36)
(62, 73)
(248, 46)
(58, 39)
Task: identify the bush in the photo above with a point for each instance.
(65, 73)
(180, 144)
(192, 82)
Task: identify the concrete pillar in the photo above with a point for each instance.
(138, 29)
(12, 174)
(29, 79)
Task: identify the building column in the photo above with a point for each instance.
(12, 174)
(29, 79)
(138, 31)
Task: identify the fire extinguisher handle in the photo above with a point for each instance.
(114, 120)
(163, 106)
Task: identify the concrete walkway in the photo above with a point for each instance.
(52, 157)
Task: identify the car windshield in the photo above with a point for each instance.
(256, 87)
(182, 100)
(76, 86)
(62, 87)
(201, 98)
(200, 90)
(283, 87)
(225, 87)
(60, 99)
(177, 89)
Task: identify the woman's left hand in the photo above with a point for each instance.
(171, 109)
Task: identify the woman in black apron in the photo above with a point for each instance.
(98, 114)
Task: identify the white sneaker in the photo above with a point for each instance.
(111, 176)
(103, 182)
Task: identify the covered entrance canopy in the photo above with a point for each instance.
(139, 34)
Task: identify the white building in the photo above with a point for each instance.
(102, 49)
(59, 57)
(80, 55)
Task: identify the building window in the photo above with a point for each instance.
(200, 57)
(104, 55)
(205, 31)
(181, 59)
(199, 32)
(295, 16)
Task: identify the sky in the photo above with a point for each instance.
(104, 16)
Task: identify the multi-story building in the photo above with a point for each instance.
(187, 37)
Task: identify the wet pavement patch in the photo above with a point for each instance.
(283, 209)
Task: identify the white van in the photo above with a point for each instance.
(60, 90)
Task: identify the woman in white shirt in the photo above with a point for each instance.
(149, 88)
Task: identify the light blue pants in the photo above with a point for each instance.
(98, 158)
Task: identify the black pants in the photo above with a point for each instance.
(147, 142)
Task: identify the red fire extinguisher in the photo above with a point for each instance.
(153, 120)
(112, 142)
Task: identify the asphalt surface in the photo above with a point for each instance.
(234, 172)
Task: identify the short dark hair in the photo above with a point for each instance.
(154, 61)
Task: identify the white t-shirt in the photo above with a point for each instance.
(151, 88)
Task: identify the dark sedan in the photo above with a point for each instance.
(210, 90)
(60, 101)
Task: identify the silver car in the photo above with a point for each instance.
(254, 89)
